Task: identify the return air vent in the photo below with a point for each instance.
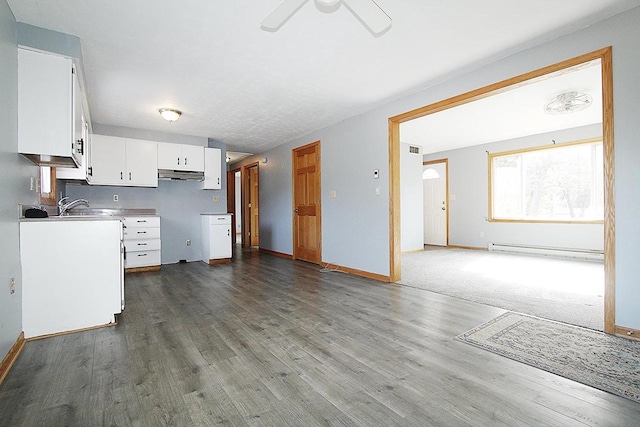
(414, 150)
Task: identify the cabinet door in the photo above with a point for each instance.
(220, 243)
(45, 97)
(170, 156)
(142, 163)
(106, 160)
(193, 156)
(212, 169)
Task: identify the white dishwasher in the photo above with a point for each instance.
(216, 238)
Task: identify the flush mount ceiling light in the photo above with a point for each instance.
(367, 11)
(568, 102)
(169, 114)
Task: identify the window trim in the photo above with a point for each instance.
(490, 158)
(48, 198)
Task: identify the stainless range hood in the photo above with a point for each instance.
(180, 175)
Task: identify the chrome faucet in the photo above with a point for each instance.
(64, 207)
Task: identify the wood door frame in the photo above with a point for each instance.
(319, 192)
(606, 64)
(446, 191)
(246, 212)
(231, 200)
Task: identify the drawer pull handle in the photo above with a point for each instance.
(142, 232)
(141, 220)
(142, 244)
(142, 254)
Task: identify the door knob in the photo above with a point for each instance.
(443, 208)
(295, 210)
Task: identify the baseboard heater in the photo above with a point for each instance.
(590, 254)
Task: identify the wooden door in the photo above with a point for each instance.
(254, 206)
(435, 203)
(307, 232)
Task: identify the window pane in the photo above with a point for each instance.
(45, 180)
(562, 183)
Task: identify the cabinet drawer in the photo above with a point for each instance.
(142, 245)
(142, 259)
(142, 221)
(141, 233)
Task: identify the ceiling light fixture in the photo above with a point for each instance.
(568, 102)
(169, 114)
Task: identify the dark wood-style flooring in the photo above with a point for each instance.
(265, 341)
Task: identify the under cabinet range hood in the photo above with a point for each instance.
(180, 175)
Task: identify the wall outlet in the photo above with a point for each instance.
(188, 242)
(377, 191)
(216, 198)
(115, 197)
(12, 285)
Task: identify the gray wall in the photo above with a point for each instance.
(411, 200)
(179, 203)
(468, 181)
(355, 227)
(15, 173)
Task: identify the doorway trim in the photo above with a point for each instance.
(446, 191)
(246, 212)
(606, 63)
(231, 201)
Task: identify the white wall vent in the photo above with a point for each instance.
(414, 150)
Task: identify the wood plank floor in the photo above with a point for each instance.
(265, 341)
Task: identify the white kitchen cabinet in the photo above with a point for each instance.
(46, 109)
(212, 169)
(180, 157)
(142, 243)
(81, 135)
(72, 274)
(216, 238)
(122, 161)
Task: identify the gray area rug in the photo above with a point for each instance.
(589, 357)
(565, 290)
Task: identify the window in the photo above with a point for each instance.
(430, 174)
(47, 185)
(559, 183)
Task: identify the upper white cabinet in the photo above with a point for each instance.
(122, 161)
(212, 169)
(46, 109)
(180, 157)
(81, 135)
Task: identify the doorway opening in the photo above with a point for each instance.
(604, 56)
(251, 206)
(234, 203)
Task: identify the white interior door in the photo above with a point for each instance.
(435, 204)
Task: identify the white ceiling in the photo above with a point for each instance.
(516, 113)
(253, 89)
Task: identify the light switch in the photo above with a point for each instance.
(332, 194)
(377, 191)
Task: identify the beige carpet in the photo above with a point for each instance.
(564, 290)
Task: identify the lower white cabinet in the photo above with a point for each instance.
(216, 238)
(142, 242)
(71, 274)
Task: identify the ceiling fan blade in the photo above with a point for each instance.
(371, 15)
(281, 14)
